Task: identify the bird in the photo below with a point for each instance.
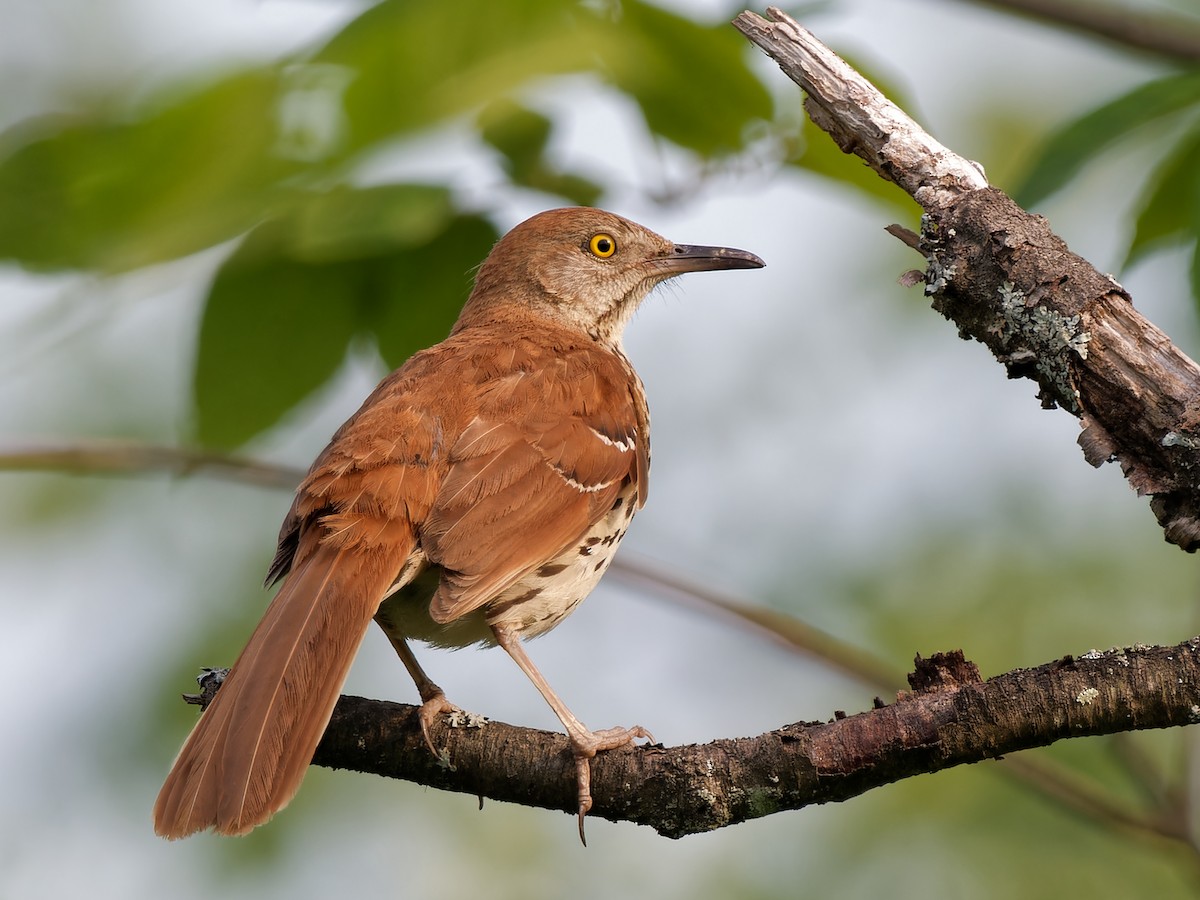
(476, 497)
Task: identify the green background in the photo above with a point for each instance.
(221, 224)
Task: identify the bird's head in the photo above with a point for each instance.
(586, 268)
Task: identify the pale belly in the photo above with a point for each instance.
(533, 606)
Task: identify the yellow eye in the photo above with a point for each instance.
(602, 245)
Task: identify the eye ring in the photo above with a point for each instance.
(602, 245)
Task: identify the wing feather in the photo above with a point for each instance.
(543, 459)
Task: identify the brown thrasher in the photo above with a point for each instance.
(476, 497)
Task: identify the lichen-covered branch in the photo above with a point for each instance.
(949, 717)
(1005, 279)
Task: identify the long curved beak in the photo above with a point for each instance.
(695, 258)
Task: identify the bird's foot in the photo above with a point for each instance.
(587, 744)
(432, 708)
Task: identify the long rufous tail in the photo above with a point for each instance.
(247, 755)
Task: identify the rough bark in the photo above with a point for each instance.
(949, 717)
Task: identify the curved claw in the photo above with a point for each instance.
(587, 744)
(436, 705)
(582, 812)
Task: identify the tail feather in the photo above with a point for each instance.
(247, 755)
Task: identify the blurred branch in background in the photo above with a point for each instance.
(1162, 34)
(656, 579)
(1166, 819)
(114, 457)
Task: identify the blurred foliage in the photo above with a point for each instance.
(990, 588)
(268, 155)
(522, 135)
(987, 835)
(133, 186)
(269, 159)
(1169, 206)
(1009, 599)
(389, 264)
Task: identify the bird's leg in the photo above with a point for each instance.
(433, 699)
(584, 743)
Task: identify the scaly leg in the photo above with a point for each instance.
(433, 700)
(584, 743)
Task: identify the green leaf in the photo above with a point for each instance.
(416, 293)
(418, 64)
(521, 136)
(519, 133)
(273, 330)
(347, 223)
(1066, 152)
(391, 262)
(128, 189)
(1169, 204)
(692, 82)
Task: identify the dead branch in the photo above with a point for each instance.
(1005, 279)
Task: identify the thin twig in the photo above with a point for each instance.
(781, 627)
(96, 456)
(1060, 785)
(1162, 34)
(1143, 772)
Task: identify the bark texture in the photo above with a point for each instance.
(948, 717)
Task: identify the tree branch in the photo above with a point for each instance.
(1008, 281)
(96, 456)
(782, 628)
(951, 717)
